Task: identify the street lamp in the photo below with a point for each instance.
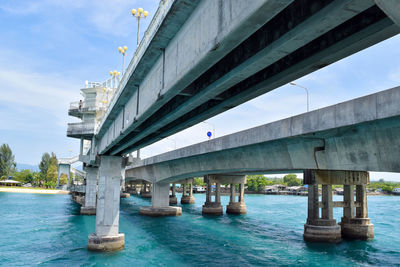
(139, 14)
(308, 107)
(122, 50)
(114, 75)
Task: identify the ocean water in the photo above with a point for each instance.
(47, 230)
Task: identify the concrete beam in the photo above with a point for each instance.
(391, 9)
(354, 135)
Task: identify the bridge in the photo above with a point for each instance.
(201, 58)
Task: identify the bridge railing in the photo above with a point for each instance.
(139, 52)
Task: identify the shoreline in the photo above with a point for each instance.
(33, 191)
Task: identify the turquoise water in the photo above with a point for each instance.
(46, 230)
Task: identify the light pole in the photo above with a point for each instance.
(308, 106)
(138, 15)
(212, 125)
(114, 75)
(122, 50)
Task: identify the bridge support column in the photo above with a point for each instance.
(107, 236)
(91, 191)
(64, 169)
(160, 203)
(146, 190)
(212, 207)
(237, 207)
(359, 226)
(172, 197)
(123, 193)
(318, 229)
(188, 199)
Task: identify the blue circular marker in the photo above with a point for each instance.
(209, 134)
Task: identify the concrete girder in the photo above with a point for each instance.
(244, 66)
(354, 135)
(361, 32)
(391, 9)
(247, 18)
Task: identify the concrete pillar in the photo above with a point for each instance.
(160, 203)
(358, 226)
(107, 236)
(188, 198)
(91, 191)
(237, 207)
(327, 210)
(145, 191)
(172, 197)
(210, 207)
(183, 190)
(348, 197)
(123, 193)
(63, 169)
(318, 229)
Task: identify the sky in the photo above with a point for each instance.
(49, 48)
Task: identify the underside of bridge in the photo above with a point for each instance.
(303, 37)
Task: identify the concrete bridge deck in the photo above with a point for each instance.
(360, 134)
(201, 58)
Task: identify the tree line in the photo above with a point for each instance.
(46, 177)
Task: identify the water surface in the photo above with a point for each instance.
(47, 230)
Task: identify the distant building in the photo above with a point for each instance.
(10, 182)
(396, 190)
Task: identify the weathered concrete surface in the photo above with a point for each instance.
(226, 53)
(357, 228)
(236, 208)
(160, 203)
(355, 135)
(391, 8)
(107, 236)
(106, 243)
(322, 234)
(89, 207)
(213, 29)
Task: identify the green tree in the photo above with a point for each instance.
(51, 176)
(24, 176)
(199, 181)
(47, 161)
(63, 179)
(7, 163)
(257, 182)
(291, 180)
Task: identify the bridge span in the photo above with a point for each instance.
(201, 58)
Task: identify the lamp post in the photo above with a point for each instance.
(138, 15)
(122, 50)
(294, 84)
(114, 75)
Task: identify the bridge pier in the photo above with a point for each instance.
(237, 207)
(324, 228)
(107, 236)
(212, 207)
(89, 207)
(359, 226)
(146, 190)
(187, 199)
(172, 197)
(160, 203)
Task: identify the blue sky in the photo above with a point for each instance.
(49, 48)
